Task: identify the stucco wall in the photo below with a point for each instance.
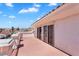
(35, 32)
(67, 35)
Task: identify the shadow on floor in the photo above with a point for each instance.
(21, 45)
(21, 40)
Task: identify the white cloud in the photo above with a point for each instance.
(9, 22)
(33, 9)
(36, 5)
(4, 15)
(52, 4)
(0, 12)
(12, 17)
(31, 21)
(9, 4)
(38, 18)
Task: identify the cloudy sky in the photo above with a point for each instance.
(23, 14)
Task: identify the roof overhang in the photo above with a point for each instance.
(63, 11)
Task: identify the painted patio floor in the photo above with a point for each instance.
(31, 46)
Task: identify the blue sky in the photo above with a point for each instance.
(23, 14)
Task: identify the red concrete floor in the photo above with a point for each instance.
(31, 46)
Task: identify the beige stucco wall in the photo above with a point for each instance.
(67, 35)
(35, 32)
(66, 29)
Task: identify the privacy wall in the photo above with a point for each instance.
(67, 34)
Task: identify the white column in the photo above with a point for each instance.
(42, 33)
